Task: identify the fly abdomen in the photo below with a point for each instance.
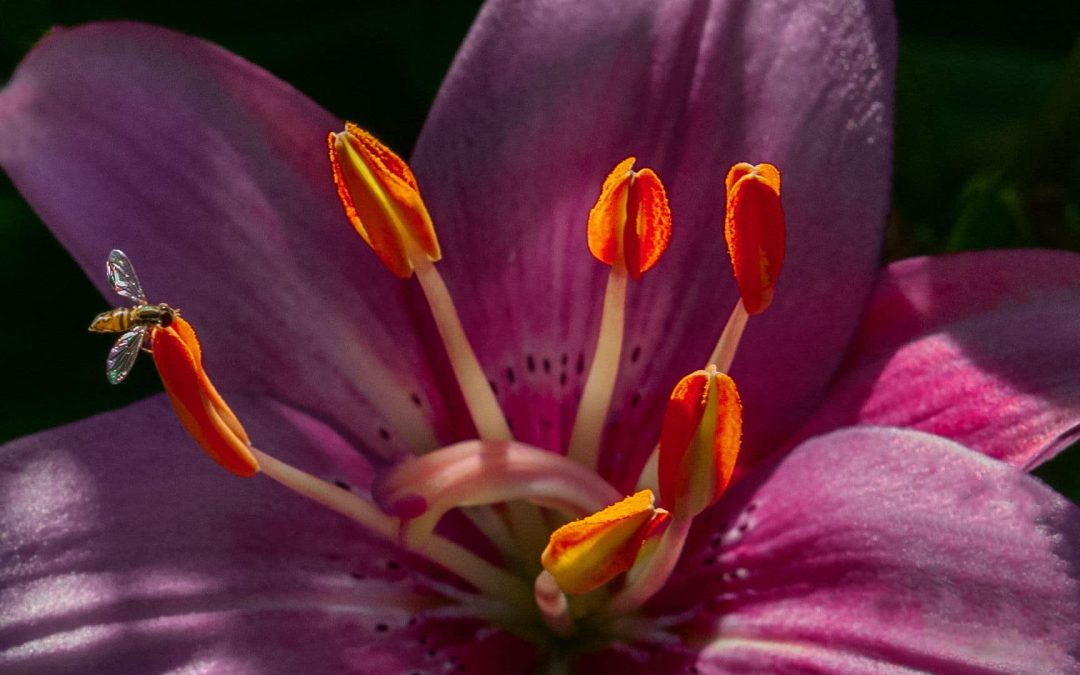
(113, 321)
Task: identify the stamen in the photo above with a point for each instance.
(596, 397)
(202, 411)
(699, 442)
(483, 407)
(462, 562)
(554, 608)
(629, 229)
(472, 473)
(754, 230)
(724, 352)
(753, 226)
(587, 553)
(382, 200)
(636, 199)
(649, 478)
(652, 568)
(699, 445)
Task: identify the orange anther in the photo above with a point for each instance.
(699, 442)
(587, 553)
(631, 220)
(381, 199)
(754, 229)
(201, 410)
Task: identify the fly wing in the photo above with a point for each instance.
(123, 278)
(123, 353)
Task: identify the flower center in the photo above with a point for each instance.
(578, 558)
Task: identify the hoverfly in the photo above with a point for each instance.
(134, 322)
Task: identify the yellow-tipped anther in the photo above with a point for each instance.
(587, 553)
(382, 200)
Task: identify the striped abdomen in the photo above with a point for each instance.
(124, 318)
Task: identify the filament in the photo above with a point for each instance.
(724, 352)
(462, 562)
(596, 398)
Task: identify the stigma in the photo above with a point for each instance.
(573, 551)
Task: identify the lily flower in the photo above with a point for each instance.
(845, 492)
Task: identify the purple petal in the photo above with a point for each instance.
(982, 348)
(546, 97)
(872, 547)
(212, 176)
(126, 550)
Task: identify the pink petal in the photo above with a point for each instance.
(982, 348)
(126, 550)
(212, 176)
(546, 97)
(873, 548)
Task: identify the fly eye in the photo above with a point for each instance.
(166, 318)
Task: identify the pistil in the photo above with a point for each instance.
(553, 605)
(472, 473)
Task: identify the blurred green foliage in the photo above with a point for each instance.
(987, 140)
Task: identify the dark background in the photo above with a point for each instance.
(987, 139)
